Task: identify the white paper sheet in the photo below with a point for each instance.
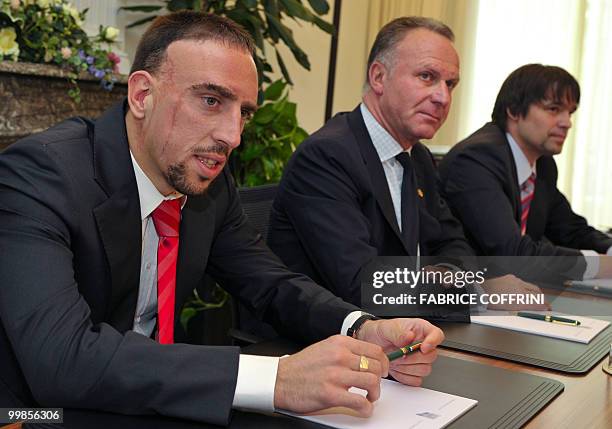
(401, 407)
(584, 333)
(595, 284)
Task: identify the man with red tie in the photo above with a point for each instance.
(501, 181)
(107, 226)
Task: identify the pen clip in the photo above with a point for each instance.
(565, 323)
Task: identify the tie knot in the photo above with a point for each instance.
(529, 183)
(167, 218)
(404, 159)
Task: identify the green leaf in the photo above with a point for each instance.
(287, 36)
(251, 151)
(251, 4)
(294, 8)
(268, 167)
(283, 68)
(321, 7)
(274, 91)
(251, 21)
(271, 6)
(143, 8)
(186, 315)
(265, 115)
(174, 5)
(141, 21)
(284, 32)
(324, 25)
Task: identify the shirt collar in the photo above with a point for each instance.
(148, 194)
(523, 169)
(386, 146)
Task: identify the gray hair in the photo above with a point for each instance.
(394, 32)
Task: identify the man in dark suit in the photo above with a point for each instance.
(107, 226)
(349, 194)
(501, 181)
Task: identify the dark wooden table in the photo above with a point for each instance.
(586, 401)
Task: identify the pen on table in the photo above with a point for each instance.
(549, 318)
(395, 354)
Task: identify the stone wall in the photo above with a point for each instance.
(34, 97)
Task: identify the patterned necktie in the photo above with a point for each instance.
(527, 193)
(166, 218)
(410, 203)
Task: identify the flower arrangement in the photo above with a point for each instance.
(50, 31)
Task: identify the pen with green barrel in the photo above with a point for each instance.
(549, 318)
(403, 351)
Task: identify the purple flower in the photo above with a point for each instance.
(99, 74)
(81, 54)
(89, 59)
(92, 69)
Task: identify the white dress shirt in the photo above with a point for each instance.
(523, 171)
(256, 374)
(387, 149)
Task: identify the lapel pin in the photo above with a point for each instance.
(420, 192)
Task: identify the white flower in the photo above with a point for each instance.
(72, 11)
(111, 33)
(8, 43)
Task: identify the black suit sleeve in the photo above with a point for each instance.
(323, 204)
(569, 229)
(474, 190)
(441, 235)
(295, 305)
(67, 360)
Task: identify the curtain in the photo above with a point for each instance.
(588, 171)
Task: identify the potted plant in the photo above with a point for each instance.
(44, 49)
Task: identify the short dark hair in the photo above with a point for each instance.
(533, 83)
(394, 31)
(186, 25)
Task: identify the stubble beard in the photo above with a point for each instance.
(176, 176)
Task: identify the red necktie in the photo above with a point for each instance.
(166, 218)
(527, 193)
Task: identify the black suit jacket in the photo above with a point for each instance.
(70, 240)
(333, 212)
(479, 181)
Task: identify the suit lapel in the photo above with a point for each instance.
(375, 171)
(512, 179)
(194, 243)
(536, 222)
(119, 226)
(118, 217)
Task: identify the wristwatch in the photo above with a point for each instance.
(354, 329)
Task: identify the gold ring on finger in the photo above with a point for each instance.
(364, 363)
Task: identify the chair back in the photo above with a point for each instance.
(257, 204)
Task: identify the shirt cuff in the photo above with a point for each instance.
(350, 319)
(592, 264)
(256, 382)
